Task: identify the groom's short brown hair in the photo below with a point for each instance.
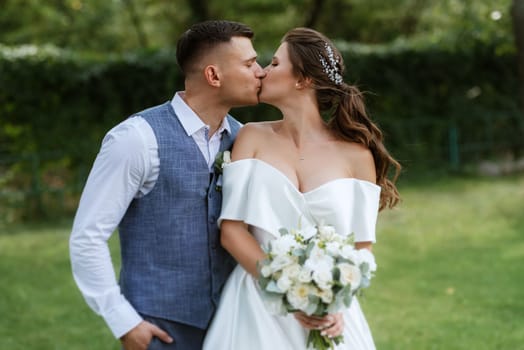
(204, 36)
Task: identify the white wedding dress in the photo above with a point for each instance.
(263, 197)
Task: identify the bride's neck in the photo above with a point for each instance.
(304, 127)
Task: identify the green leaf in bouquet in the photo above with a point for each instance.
(312, 305)
(321, 310)
(263, 281)
(344, 260)
(342, 299)
(272, 287)
(299, 252)
(275, 303)
(321, 342)
(262, 263)
(336, 305)
(288, 306)
(283, 231)
(347, 295)
(364, 282)
(310, 247)
(313, 299)
(219, 159)
(302, 259)
(364, 267)
(336, 274)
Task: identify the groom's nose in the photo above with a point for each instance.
(260, 72)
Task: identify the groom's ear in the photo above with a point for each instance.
(212, 75)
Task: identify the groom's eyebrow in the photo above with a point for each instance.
(251, 60)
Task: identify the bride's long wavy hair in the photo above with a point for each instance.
(315, 57)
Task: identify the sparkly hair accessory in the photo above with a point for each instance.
(331, 69)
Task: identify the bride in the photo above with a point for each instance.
(300, 168)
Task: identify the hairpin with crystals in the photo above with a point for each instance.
(331, 69)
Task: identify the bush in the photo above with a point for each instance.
(435, 104)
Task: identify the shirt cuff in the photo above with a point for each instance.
(122, 319)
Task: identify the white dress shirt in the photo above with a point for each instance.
(126, 167)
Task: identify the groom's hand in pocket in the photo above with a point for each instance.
(139, 337)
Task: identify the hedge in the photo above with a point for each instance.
(438, 107)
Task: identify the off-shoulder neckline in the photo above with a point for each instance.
(292, 185)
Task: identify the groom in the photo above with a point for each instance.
(153, 178)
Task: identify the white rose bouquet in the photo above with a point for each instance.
(318, 275)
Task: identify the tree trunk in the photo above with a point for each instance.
(199, 10)
(314, 13)
(137, 24)
(517, 13)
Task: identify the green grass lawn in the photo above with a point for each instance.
(451, 265)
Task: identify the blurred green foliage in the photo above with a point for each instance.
(52, 99)
(120, 25)
(440, 78)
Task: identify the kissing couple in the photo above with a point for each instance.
(189, 247)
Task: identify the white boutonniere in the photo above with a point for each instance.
(221, 160)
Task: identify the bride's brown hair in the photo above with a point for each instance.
(315, 57)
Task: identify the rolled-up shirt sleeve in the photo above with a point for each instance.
(121, 171)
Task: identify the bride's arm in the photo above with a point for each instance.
(364, 245)
(241, 244)
(366, 171)
(234, 236)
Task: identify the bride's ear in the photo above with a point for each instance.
(303, 83)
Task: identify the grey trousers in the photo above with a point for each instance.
(185, 337)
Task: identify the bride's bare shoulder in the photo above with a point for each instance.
(257, 130)
(360, 160)
(250, 137)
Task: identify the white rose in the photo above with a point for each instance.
(349, 274)
(308, 232)
(366, 256)
(305, 275)
(326, 295)
(322, 274)
(326, 231)
(283, 244)
(280, 261)
(292, 271)
(266, 271)
(226, 157)
(318, 255)
(298, 296)
(333, 248)
(350, 253)
(284, 283)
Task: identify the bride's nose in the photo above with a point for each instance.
(261, 72)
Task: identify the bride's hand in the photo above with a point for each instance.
(331, 325)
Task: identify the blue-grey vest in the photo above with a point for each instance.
(173, 265)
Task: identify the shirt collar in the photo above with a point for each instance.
(190, 121)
